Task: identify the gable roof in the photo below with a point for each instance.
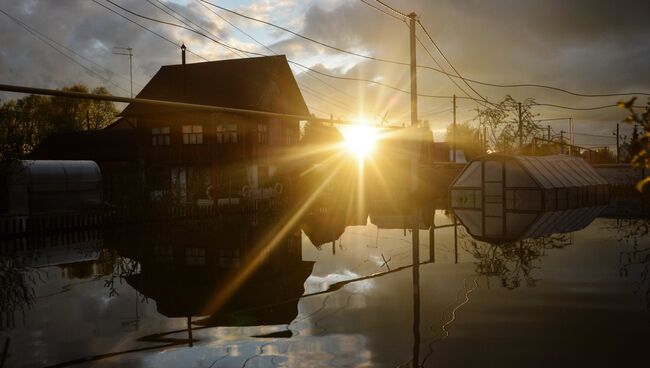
(234, 83)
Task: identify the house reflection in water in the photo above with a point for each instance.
(185, 268)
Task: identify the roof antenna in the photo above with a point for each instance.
(183, 53)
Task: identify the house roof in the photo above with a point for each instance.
(235, 83)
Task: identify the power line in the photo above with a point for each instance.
(188, 22)
(576, 108)
(439, 70)
(448, 76)
(550, 119)
(51, 43)
(259, 54)
(519, 85)
(595, 135)
(307, 71)
(534, 85)
(392, 9)
(426, 32)
(301, 65)
(147, 29)
(383, 11)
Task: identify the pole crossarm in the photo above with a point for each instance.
(183, 105)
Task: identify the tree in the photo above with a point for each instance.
(26, 122)
(501, 122)
(640, 145)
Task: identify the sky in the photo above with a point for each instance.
(586, 46)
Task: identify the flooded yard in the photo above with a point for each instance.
(270, 290)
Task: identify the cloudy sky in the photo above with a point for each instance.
(586, 46)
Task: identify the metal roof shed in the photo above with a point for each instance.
(500, 191)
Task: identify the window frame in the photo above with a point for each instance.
(262, 134)
(192, 134)
(160, 136)
(227, 133)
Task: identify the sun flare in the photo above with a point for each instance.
(360, 140)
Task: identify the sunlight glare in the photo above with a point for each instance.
(360, 139)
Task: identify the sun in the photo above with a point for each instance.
(360, 140)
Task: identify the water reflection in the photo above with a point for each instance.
(184, 267)
(401, 285)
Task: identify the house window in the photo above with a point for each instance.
(195, 256)
(192, 134)
(262, 133)
(227, 133)
(160, 136)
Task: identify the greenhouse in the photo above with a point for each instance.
(500, 196)
(46, 186)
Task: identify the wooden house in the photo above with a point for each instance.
(193, 155)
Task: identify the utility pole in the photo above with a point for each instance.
(521, 131)
(415, 213)
(129, 53)
(548, 133)
(562, 141)
(453, 132)
(571, 131)
(484, 139)
(618, 148)
(414, 80)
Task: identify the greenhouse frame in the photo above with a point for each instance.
(498, 196)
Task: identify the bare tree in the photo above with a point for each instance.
(501, 123)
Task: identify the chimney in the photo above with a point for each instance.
(183, 53)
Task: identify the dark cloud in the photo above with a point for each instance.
(581, 45)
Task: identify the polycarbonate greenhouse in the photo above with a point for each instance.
(501, 196)
(45, 186)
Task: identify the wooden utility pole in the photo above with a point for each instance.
(548, 133)
(414, 80)
(453, 132)
(484, 139)
(618, 148)
(562, 141)
(521, 131)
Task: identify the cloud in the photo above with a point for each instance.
(582, 45)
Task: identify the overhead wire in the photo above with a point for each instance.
(51, 43)
(517, 85)
(188, 22)
(400, 18)
(148, 29)
(426, 32)
(391, 8)
(370, 81)
(303, 66)
(307, 71)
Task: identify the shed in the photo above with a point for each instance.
(495, 194)
(48, 186)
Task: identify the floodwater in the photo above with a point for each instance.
(329, 290)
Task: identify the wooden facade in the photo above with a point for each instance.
(195, 155)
